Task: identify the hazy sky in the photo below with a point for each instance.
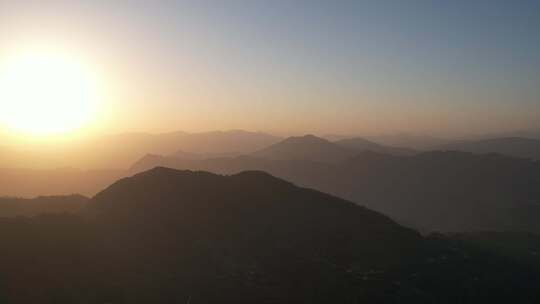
(434, 67)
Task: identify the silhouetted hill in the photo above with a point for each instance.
(249, 205)
(250, 235)
(167, 236)
(308, 148)
(511, 146)
(441, 191)
(12, 207)
(362, 145)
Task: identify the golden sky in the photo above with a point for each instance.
(283, 68)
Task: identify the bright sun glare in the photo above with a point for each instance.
(45, 93)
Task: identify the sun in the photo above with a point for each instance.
(45, 93)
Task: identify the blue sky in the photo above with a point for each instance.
(431, 67)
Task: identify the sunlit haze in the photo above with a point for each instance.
(46, 92)
(361, 67)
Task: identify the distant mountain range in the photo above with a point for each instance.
(411, 141)
(316, 149)
(362, 145)
(307, 147)
(444, 191)
(516, 146)
(233, 141)
(431, 191)
(121, 150)
(167, 236)
(511, 146)
(191, 155)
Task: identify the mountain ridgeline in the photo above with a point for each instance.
(119, 151)
(431, 191)
(29, 172)
(176, 236)
(168, 236)
(511, 146)
(361, 145)
(447, 191)
(312, 148)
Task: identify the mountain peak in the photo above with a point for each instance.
(163, 193)
(306, 148)
(308, 138)
(248, 230)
